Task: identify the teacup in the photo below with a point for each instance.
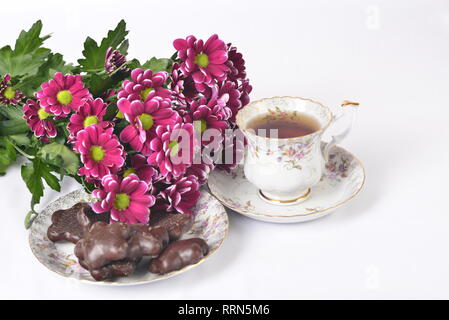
(285, 169)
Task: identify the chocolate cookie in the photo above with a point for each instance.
(90, 217)
(71, 224)
(107, 243)
(179, 254)
(147, 241)
(176, 223)
(116, 269)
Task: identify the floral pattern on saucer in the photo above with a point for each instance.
(343, 178)
(211, 224)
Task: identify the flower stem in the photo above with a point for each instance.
(23, 153)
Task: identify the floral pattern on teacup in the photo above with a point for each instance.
(288, 153)
(277, 113)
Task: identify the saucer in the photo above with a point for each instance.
(342, 180)
(211, 224)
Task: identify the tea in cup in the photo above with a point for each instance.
(284, 157)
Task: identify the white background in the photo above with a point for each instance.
(391, 56)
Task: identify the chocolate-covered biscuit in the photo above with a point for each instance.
(147, 241)
(107, 243)
(176, 223)
(179, 254)
(71, 224)
(104, 243)
(116, 269)
(88, 217)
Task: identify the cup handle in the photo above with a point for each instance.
(339, 137)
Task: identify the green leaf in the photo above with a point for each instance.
(27, 55)
(60, 156)
(51, 180)
(32, 177)
(54, 63)
(33, 173)
(123, 48)
(174, 56)
(29, 218)
(157, 65)
(7, 155)
(99, 84)
(30, 40)
(94, 55)
(21, 64)
(21, 139)
(16, 126)
(12, 112)
(133, 64)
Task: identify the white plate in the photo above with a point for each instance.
(211, 224)
(342, 180)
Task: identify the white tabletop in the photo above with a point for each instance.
(391, 56)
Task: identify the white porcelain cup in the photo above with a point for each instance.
(284, 170)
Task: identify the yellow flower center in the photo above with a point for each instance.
(121, 201)
(147, 121)
(203, 125)
(42, 114)
(202, 60)
(144, 93)
(200, 125)
(9, 93)
(174, 146)
(90, 120)
(120, 115)
(97, 153)
(128, 172)
(64, 97)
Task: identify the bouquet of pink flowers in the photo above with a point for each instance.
(141, 137)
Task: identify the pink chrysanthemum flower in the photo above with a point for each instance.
(142, 169)
(182, 88)
(89, 113)
(114, 60)
(233, 151)
(236, 64)
(226, 93)
(172, 148)
(207, 115)
(8, 95)
(205, 61)
(181, 196)
(63, 94)
(128, 200)
(143, 118)
(177, 84)
(101, 152)
(38, 120)
(245, 89)
(143, 83)
(200, 171)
